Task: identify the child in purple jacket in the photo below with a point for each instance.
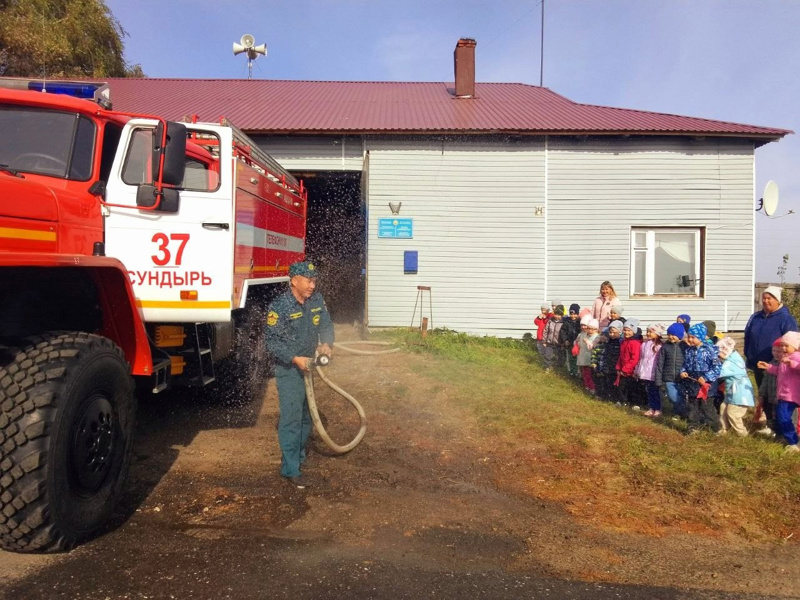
(646, 369)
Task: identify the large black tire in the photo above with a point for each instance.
(67, 412)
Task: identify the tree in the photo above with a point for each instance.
(782, 269)
(61, 38)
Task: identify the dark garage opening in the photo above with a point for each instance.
(336, 240)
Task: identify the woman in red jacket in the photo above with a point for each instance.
(629, 353)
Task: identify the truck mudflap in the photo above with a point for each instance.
(122, 321)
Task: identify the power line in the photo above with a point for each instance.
(483, 46)
(517, 20)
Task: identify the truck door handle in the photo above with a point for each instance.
(224, 226)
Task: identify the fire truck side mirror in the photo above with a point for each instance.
(174, 152)
(146, 198)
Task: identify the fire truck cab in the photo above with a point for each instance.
(130, 247)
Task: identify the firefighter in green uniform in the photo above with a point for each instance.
(298, 324)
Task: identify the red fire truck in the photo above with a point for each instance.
(132, 250)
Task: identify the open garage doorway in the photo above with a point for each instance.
(336, 240)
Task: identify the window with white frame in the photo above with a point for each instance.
(666, 261)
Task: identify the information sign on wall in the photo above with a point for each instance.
(396, 228)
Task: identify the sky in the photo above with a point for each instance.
(732, 60)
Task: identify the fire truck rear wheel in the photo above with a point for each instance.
(247, 370)
(67, 412)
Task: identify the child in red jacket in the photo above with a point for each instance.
(629, 352)
(540, 321)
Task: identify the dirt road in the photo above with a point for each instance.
(427, 506)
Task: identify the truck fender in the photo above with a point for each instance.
(121, 318)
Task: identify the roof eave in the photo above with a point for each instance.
(759, 138)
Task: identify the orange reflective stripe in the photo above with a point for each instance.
(182, 304)
(262, 269)
(27, 234)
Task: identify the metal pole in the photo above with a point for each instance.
(541, 52)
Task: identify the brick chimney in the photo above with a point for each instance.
(465, 68)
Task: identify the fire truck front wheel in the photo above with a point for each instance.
(67, 412)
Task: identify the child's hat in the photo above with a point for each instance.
(677, 329)
(632, 324)
(574, 308)
(686, 318)
(658, 328)
(617, 309)
(593, 324)
(559, 310)
(585, 319)
(585, 311)
(615, 325)
(727, 344)
(545, 306)
(711, 327)
(699, 331)
(555, 302)
(777, 343)
(792, 338)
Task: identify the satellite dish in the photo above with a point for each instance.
(769, 202)
(248, 41)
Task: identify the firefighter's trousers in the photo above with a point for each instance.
(294, 425)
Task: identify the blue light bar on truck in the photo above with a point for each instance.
(99, 92)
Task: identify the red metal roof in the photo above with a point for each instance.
(383, 107)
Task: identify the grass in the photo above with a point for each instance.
(631, 466)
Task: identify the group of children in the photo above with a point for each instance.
(704, 378)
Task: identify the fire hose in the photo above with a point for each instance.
(322, 360)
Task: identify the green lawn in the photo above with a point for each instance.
(621, 454)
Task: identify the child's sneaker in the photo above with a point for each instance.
(648, 413)
(792, 449)
(656, 413)
(766, 431)
(636, 407)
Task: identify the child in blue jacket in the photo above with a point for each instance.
(701, 368)
(738, 394)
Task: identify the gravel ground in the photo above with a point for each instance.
(426, 506)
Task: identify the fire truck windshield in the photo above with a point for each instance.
(46, 142)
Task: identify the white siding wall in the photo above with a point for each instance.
(480, 243)
(314, 153)
(482, 248)
(598, 190)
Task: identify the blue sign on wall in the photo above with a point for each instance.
(396, 228)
